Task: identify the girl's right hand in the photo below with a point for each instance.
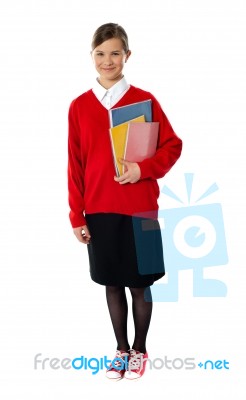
(82, 234)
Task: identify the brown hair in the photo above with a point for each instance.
(110, 31)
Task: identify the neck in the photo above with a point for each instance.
(108, 84)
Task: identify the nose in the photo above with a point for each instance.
(107, 60)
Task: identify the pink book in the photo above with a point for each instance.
(141, 141)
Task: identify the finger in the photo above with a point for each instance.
(125, 181)
(122, 161)
(82, 236)
(122, 177)
(85, 239)
(86, 231)
(127, 164)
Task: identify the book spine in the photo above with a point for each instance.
(114, 155)
(127, 135)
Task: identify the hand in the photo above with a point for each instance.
(82, 234)
(132, 174)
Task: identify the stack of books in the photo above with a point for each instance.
(133, 135)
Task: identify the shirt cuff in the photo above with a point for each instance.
(77, 220)
(144, 169)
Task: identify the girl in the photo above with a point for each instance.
(103, 207)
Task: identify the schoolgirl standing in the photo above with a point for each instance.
(103, 207)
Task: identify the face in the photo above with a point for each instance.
(109, 59)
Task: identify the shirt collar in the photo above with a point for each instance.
(115, 91)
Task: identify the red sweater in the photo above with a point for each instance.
(91, 172)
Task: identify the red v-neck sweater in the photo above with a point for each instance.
(91, 185)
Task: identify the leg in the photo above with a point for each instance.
(142, 311)
(118, 310)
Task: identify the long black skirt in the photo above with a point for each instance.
(124, 250)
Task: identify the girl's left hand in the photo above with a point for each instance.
(132, 174)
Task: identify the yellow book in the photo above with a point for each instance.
(118, 135)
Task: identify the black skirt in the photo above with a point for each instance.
(124, 250)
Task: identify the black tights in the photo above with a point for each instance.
(118, 309)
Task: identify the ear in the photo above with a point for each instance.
(128, 55)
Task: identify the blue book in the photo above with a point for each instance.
(119, 115)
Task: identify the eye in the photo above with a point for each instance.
(100, 54)
(116, 53)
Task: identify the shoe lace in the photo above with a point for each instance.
(135, 361)
(120, 354)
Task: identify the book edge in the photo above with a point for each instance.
(131, 104)
(157, 123)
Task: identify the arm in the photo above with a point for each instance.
(75, 172)
(168, 150)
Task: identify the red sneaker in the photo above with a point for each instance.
(118, 366)
(136, 364)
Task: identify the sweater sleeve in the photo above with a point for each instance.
(75, 171)
(168, 149)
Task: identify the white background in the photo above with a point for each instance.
(191, 55)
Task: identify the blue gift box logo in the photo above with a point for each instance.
(193, 237)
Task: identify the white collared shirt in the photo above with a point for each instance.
(109, 97)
